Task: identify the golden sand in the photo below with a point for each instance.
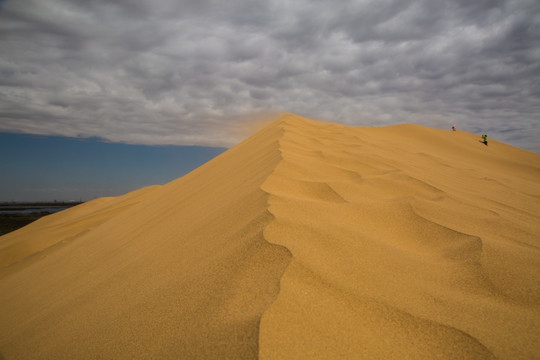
(308, 240)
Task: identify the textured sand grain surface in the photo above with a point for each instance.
(308, 240)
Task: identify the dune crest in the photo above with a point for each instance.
(307, 240)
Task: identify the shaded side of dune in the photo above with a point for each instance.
(396, 256)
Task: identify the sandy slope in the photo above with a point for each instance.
(308, 240)
(49, 231)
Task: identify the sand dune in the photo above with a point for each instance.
(308, 240)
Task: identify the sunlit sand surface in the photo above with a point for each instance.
(308, 240)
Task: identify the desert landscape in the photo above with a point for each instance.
(308, 240)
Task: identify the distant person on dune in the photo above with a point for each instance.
(485, 139)
(453, 127)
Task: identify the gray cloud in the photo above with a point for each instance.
(192, 72)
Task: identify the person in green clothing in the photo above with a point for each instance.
(485, 139)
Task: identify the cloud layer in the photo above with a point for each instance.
(191, 72)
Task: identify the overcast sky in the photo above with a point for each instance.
(194, 72)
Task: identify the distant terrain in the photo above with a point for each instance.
(15, 215)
